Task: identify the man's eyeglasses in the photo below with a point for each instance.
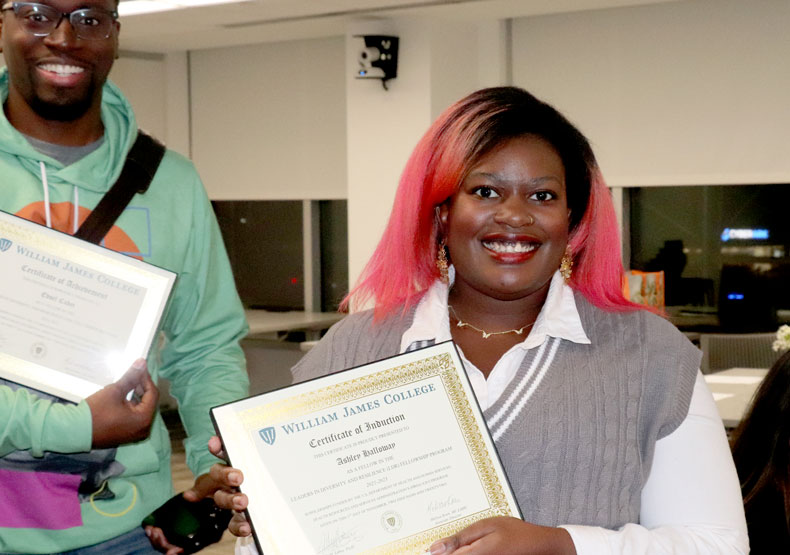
(40, 20)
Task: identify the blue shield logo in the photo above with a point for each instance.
(268, 435)
(5, 244)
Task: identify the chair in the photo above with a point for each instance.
(737, 350)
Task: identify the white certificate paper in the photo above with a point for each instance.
(73, 315)
(383, 458)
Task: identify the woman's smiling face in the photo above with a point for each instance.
(507, 225)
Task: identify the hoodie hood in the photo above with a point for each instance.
(95, 172)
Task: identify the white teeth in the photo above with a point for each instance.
(509, 247)
(62, 69)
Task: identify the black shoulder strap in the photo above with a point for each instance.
(138, 171)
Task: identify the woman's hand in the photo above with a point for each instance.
(222, 482)
(117, 420)
(504, 535)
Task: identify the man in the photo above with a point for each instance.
(64, 135)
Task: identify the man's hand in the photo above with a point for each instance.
(506, 536)
(117, 420)
(158, 539)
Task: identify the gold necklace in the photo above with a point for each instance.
(486, 334)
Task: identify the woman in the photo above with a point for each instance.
(761, 448)
(503, 238)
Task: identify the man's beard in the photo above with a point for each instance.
(56, 111)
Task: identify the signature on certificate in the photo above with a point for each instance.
(441, 504)
(338, 541)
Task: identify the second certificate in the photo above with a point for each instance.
(385, 458)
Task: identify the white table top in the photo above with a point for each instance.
(733, 390)
(265, 321)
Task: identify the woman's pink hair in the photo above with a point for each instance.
(403, 265)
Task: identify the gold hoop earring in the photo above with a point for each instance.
(566, 265)
(441, 262)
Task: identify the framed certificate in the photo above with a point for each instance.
(73, 315)
(383, 458)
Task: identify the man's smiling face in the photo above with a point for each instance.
(59, 76)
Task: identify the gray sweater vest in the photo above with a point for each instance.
(576, 428)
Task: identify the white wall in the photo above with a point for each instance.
(177, 102)
(382, 128)
(142, 79)
(682, 93)
(269, 122)
(464, 56)
(438, 64)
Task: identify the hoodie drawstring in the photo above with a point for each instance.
(46, 193)
(75, 220)
(47, 211)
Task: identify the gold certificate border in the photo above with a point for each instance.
(441, 365)
(62, 246)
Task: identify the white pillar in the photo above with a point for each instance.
(439, 62)
(177, 103)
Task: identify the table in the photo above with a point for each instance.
(270, 355)
(265, 322)
(691, 320)
(733, 390)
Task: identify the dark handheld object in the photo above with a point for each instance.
(191, 526)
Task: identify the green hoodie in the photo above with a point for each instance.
(172, 226)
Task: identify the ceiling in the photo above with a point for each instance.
(255, 21)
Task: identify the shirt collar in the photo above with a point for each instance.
(559, 316)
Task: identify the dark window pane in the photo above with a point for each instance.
(722, 248)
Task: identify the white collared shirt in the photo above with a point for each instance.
(432, 314)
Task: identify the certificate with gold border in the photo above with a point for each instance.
(73, 315)
(384, 458)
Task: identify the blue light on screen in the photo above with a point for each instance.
(735, 296)
(730, 234)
